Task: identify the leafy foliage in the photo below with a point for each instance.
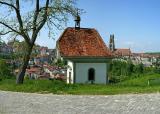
(5, 69)
(17, 20)
(139, 68)
(60, 63)
(121, 70)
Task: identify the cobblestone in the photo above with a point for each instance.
(32, 103)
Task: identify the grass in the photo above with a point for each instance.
(39, 86)
(133, 85)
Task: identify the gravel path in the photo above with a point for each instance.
(31, 103)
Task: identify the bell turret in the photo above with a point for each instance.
(77, 21)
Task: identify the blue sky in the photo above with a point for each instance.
(135, 23)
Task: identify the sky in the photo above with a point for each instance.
(134, 23)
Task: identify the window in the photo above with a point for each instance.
(91, 74)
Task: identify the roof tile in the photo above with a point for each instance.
(82, 43)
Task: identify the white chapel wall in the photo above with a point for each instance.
(81, 70)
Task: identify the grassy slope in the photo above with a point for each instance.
(136, 85)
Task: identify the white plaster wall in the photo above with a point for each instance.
(82, 72)
(70, 69)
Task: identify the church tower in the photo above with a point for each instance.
(111, 43)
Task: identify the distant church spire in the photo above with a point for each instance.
(77, 20)
(111, 43)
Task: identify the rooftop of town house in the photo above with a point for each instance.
(122, 52)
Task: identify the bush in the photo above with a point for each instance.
(5, 70)
(122, 70)
(139, 68)
(130, 68)
(157, 70)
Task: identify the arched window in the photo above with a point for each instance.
(91, 74)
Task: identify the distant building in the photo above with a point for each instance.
(43, 50)
(36, 72)
(147, 59)
(123, 52)
(42, 55)
(6, 49)
(111, 43)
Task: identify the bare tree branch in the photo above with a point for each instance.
(36, 15)
(44, 16)
(23, 33)
(19, 16)
(9, 27)
(4, 33)
(42, 23)
(10, 5)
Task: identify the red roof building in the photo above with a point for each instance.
(84, 42)
(122, 52)
(86, 54)
(117, 52)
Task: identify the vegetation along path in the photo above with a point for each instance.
(32, 103)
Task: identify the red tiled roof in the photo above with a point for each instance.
(122, 52)
(43, 48)
(31, 70)
(51, 68)
(84, 42)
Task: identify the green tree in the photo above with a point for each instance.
(60, 63)
(117, 70)
(139, 68)
(120, 70)
(130, 68)
(4, 69)
(17, 20)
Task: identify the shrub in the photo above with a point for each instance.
(123, 69)
(157, 70)
(5, 70)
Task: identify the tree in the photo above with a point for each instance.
(60, 63)
(27, 22)
(1, 42)
(140, 68)
(19, 47)
(130, 68)
(4, 69)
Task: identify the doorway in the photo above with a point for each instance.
(91, 75)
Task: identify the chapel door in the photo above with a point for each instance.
(91, 75)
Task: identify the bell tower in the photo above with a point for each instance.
(77, 20)
(111, 43)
